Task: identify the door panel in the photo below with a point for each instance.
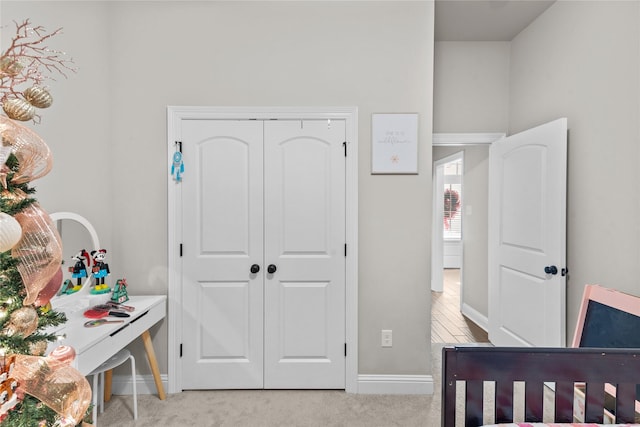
(222, 229)
(225, 305)
(224, 175)
(304, 239)
(527, 232)
(303, 301)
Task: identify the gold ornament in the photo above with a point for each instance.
(10, 67)
(19, 109)
(10, 232)
(38, 97)
(22, 321)
(13, 198)
(37, 348)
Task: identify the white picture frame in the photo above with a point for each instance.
(394, 143)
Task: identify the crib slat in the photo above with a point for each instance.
(625, 403)
(504, 402)
(474, 398)
(594, 402)
(564, 402)
(533, 393)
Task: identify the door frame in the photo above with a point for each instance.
(459, 140)
(174, 220)
(437, 239)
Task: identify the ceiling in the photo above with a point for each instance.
(485, 20)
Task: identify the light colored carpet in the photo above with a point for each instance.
(272, 408)
(278, 408)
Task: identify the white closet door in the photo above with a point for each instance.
(263, 193)
(304, 240)
(222, 238)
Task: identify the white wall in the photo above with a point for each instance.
(474, 226)
(137, 57)
(471, 94)
(76, 127)
(471, 89)
(581, 60)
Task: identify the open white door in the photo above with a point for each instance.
(437, 250)
(527, 237)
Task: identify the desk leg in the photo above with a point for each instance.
(151, 355)
(107, 385)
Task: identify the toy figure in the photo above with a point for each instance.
(100, 271)
(79, 270)
(119, 294)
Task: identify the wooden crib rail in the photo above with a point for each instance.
(535, 366)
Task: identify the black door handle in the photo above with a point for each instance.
(551, 269)
(271, 269)
(255, 268)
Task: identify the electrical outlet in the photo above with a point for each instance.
(387, 338)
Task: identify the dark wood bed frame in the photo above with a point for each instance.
(536, 366)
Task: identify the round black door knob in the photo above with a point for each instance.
(255, 268)
(552, 269)
(271, 269)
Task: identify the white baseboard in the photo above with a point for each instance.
(367, 384)
(121, 384)
(476, 317)
(395, 384)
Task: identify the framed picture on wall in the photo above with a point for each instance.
(394, 143)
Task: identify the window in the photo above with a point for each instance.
(453, 200)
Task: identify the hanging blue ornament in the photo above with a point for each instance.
(177, 168)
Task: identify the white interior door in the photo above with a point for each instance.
(437, 239)
(527, 237)
(263, 194)
(222, 212)
(305, 242)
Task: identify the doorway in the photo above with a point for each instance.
(459, 293)
(267, 123)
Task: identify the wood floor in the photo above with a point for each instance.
(448, 325)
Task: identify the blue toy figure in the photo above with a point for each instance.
(79, 269)
(177, 168)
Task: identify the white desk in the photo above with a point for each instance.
(96, 344)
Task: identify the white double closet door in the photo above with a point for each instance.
(267, 195)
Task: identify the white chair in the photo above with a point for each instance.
(98, 381)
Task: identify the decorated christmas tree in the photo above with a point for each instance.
(35, 389)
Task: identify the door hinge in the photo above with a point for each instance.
(179, 144)
(345, 349)
(180, 249)
(345, 148)
(345, 249)
(180, 350)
